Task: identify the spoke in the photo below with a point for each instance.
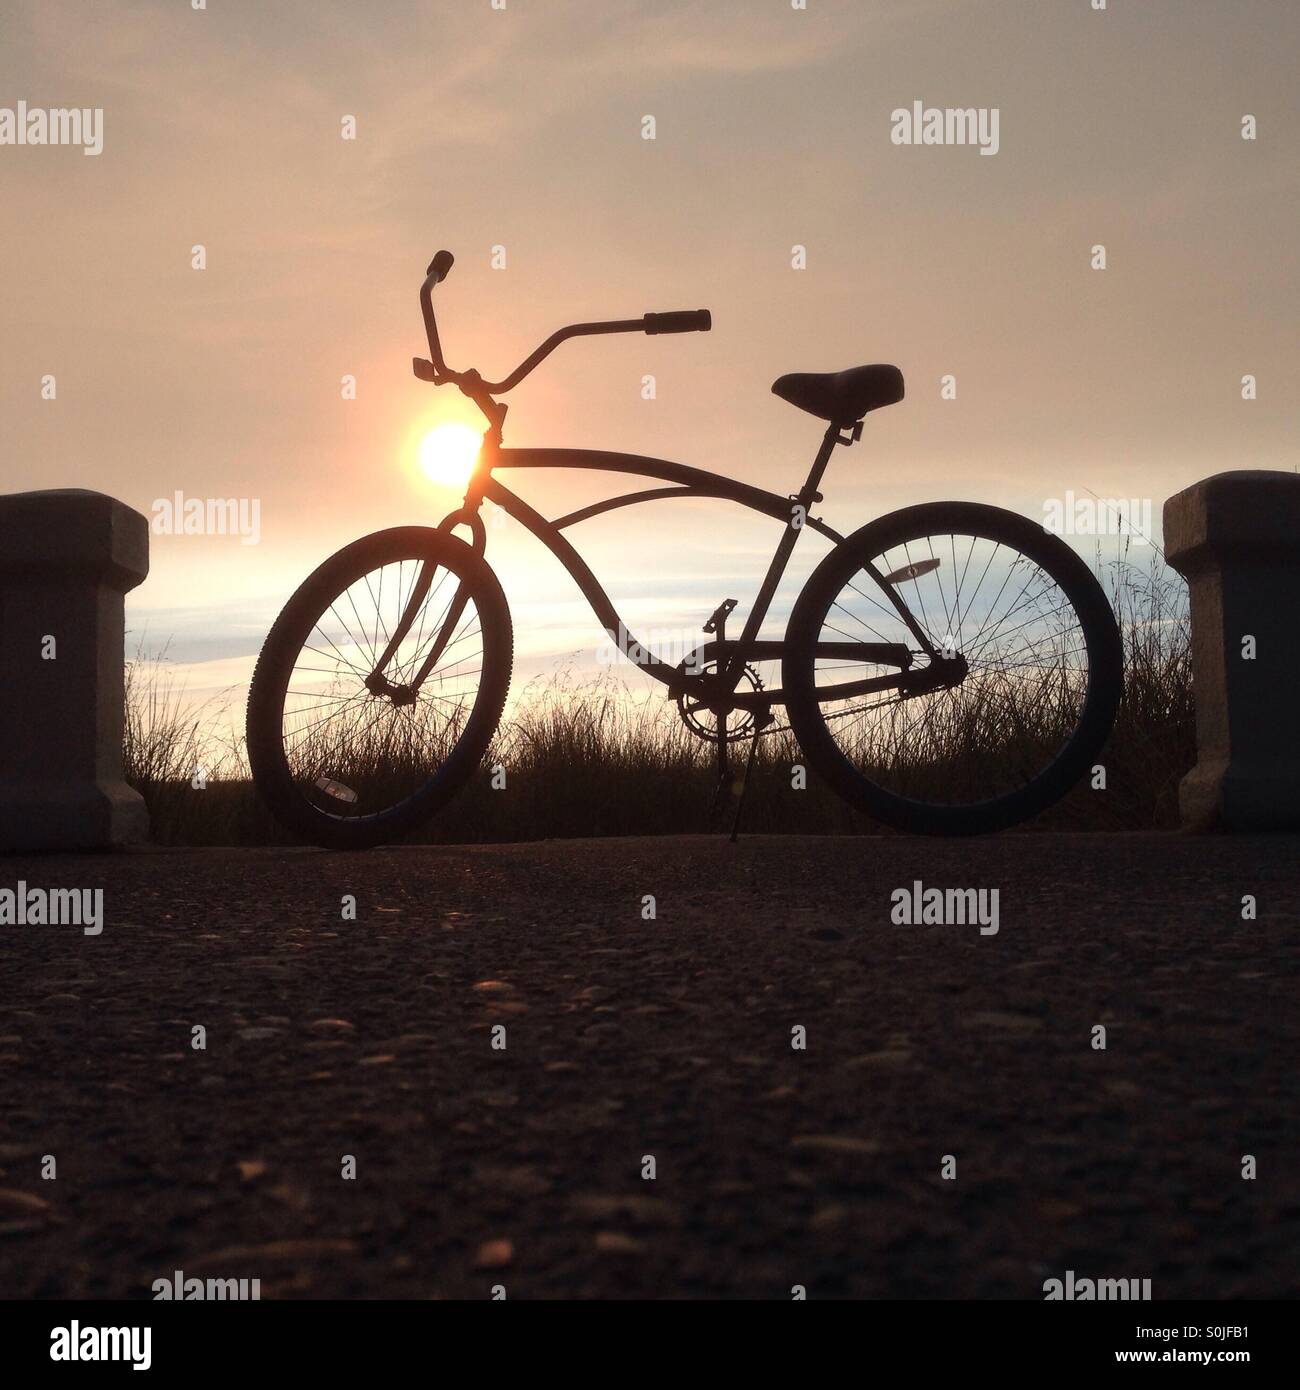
(346, 629)
(888, 612)
(361, 627)
(337, 653)
(916, 584)
(938, 580)
(980, 585)
(848, 637)
(1014, 606)
(1000, 635)
(860, 621)
(318, 723)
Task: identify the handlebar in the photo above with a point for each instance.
(437, 371)
(681, 321)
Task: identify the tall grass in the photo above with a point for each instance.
(1154, 740)
(594, 758)
(184, 760)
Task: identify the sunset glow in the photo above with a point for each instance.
(649, 657)
(448, 452)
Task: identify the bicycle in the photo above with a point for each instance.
(917, 702)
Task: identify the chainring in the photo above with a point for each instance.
(702, 721)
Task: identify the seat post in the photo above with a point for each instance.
(808, 494)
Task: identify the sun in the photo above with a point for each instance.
(448, 453)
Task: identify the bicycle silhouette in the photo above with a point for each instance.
(949, 668)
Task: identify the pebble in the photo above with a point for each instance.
(14, 1202)
(495, 1254)
(232, 1255)
(828, 1218)
(519, 1181)
(616, 1243)
(649, 1211)
(1006, 1022)
(835, 1144)
(889, 1059)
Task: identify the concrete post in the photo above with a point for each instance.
(1236, 539)
(66, 559)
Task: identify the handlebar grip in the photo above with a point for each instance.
(680, 321)
(440, 265)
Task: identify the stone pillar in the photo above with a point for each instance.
(1236, 539)
(66, 559)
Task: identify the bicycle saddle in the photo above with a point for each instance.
(843, 398)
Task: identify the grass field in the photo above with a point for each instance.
(595, 759)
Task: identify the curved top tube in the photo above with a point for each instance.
(692, 482)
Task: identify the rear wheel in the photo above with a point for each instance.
(347, 756)
(1017, 706)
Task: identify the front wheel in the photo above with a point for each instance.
(991, 718)
(379, 687)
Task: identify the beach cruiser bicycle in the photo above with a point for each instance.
(949, 668)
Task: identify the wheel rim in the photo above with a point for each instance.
(1021, 701)
(354, 752)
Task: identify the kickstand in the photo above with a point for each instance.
(761, 720)
(724, 767)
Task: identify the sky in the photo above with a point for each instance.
(521, 127)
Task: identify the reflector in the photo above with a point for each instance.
(335, 789)
(912, 571)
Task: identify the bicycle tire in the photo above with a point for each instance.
(1059, 562)
(272, 775)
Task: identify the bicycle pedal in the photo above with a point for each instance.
(720, 615)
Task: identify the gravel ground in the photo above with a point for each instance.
(669, 1037)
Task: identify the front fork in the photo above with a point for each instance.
(467, 514)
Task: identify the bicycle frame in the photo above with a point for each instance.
(729, 656)
(687, 482)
